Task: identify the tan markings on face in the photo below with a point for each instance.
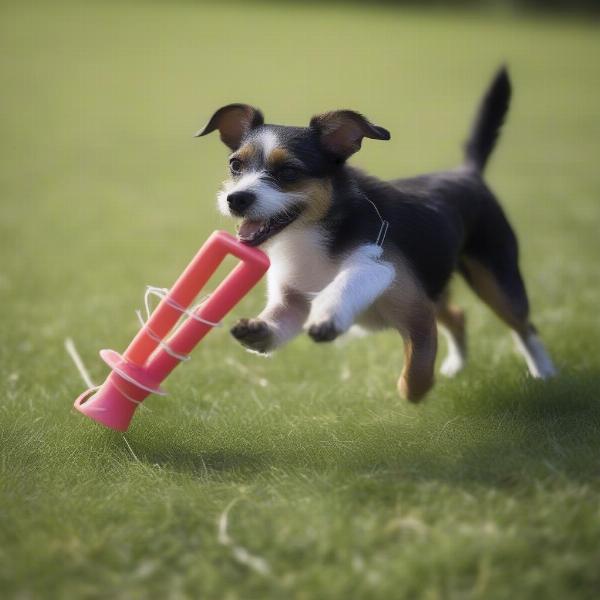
(277, 157)
(246, 153)
(317, 194)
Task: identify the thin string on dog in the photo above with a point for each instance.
(384, 224)
(382, 233)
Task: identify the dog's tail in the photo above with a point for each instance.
(489, 119)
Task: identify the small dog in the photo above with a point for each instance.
(347, 248)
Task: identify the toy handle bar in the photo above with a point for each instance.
(148, 360)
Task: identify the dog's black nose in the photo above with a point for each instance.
(239, 202)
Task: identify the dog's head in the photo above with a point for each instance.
(281, 174)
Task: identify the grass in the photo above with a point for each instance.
(490, 489)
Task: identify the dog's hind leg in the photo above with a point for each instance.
(500, 285)
(420, 348)
(406, 308)
(451, 321)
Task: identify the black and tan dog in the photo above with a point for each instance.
(319, 220)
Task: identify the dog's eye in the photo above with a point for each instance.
(235, 164)
(288, 173)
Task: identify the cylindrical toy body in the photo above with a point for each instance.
(150, 358)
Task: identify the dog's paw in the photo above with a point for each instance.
(325, 331)
(254, 334)
(452, 365)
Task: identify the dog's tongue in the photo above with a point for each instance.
(248, 229)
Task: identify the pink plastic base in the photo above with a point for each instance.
(114, 403)
(146, 363)
(138, 376)
(107, 406)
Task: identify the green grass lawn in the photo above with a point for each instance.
(335, 487)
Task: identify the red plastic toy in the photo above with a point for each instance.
(150, 358)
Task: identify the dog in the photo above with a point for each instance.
(349, 249)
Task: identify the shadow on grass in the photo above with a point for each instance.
(522, 432)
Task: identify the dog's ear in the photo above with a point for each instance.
(341, 131)
(233, 122)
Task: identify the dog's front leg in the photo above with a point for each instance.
(362, 278)
(280, 321)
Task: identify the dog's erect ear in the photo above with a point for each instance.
(233, 122)
(341, 131)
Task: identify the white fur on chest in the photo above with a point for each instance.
(299, 260)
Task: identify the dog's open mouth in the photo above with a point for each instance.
(254, 232)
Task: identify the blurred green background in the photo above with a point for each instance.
(488, 490)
